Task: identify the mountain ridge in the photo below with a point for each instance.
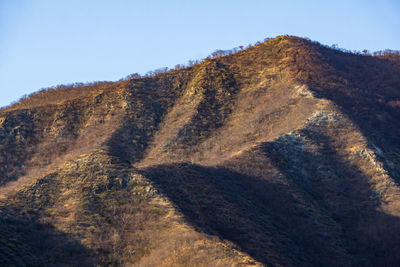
(285, 153)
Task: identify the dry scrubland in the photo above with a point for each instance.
(283, 154)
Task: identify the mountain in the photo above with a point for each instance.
(286, 153)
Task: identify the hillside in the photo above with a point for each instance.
(286, 153)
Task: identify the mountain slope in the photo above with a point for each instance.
(285, 154)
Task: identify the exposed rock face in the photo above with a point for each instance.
(284, 154)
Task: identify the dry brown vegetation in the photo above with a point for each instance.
(60, 94)
(284, 154)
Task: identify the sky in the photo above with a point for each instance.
(44, 43)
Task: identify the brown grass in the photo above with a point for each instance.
(285, 153)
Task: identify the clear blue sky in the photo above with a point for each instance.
(49, 42)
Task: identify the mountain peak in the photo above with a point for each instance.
(285, 153)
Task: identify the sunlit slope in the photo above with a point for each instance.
(286, 153)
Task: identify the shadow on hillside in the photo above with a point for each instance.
(16, 140)
(338, 225)
(149, 99)
(344, 197)
(24, 242)
(367, 89)
(219, 90)
(219, 202)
